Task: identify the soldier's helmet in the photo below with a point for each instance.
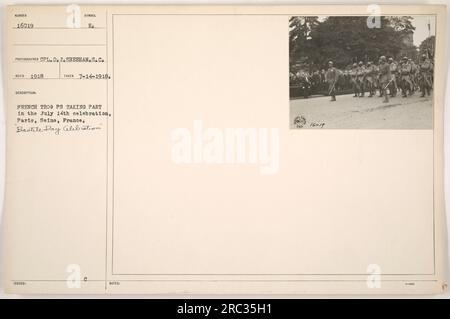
(369, 63)
(355, 65)
(330, 63)
(391, 60)
(424, 56)
(382, 58)
(405, 58)
(361, 63)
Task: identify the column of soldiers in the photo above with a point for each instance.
(388, 77)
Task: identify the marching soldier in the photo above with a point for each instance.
(414, 74)
(394, 73)
(385, 77)
(370, 73)
(405, 71)
(354, 77)
(360, 73)
(376, 79)
(331, 78)
(426, 73)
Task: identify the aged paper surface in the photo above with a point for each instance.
(151, 149)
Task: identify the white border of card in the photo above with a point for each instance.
(147, 192)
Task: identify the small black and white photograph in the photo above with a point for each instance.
(361, 72)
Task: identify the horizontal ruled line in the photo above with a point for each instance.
(57, 79)
(230, 280)
(60, 44)
(49, 62)
(58, 28)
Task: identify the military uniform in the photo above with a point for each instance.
(405, 73)
(385, 77)
(394, 76)
(360, 74)
(354, 78)
(331, 77)
(370, 78)
(414, 75)
(426, 74)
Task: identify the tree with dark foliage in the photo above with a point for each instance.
(314, 40)
(427, 47)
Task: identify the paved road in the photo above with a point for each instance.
(348, 112)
